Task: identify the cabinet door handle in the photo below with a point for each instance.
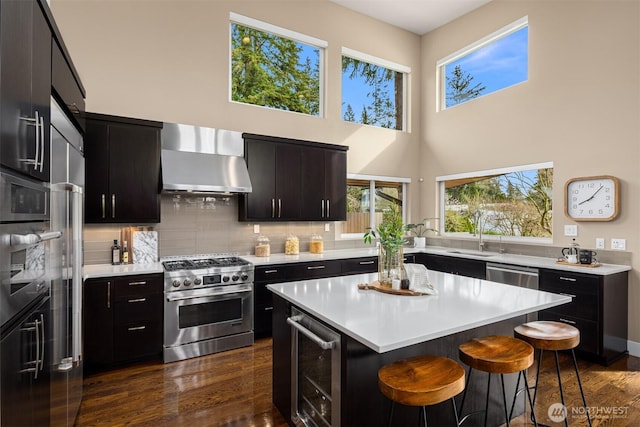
(273, 208)
(270, 271)
(279, 208)
(108, 294)
(42, 141)
(137, 283)
(366, 262)
(322, 209)
(137, 300)
(104, 206)
(317, 267)
(567, 321)
(328, 209)
(113, 206)
(43, 341)
(137, 328)
(34, 122)
(568, 279)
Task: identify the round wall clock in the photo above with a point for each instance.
(592, 198)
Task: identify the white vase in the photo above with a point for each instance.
(419, 242)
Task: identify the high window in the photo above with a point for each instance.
(367, 198)
(495, 62)
(373, 90)
(276, 68)
(515, 203)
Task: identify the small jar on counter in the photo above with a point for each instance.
(292, 245)
(316, 246)
(263, 247)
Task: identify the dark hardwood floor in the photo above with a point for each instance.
(233, 388)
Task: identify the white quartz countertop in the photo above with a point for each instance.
(513, 259)
(107, 270)
(385, 322)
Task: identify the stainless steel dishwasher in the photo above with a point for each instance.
(525, 277)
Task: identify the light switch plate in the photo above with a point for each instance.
(256, 228)
(571, 230)
(619, 244)
(599, 242)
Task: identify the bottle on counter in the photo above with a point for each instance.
(316, 246)
(263, 247)
(125, 253)
(292, 245)
(115, 253)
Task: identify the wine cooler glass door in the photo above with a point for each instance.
(316, 372)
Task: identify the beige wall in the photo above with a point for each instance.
(580, 109)
(168, 60)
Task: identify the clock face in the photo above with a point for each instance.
(592, 198)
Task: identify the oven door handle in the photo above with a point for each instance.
(205, 293)
(325, 345)
(32, 239)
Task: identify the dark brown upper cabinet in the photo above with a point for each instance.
(294, 180)
(122, 158)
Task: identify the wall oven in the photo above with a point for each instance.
(315, 372)
(208, 305)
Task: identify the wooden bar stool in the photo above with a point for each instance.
(496, 354)
(421, 381)
(552, 336)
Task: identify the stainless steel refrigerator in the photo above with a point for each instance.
(67, 216)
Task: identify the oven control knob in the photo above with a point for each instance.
(197, 281)
(244, 277)
(187, 282)
(225, 279)
(175, 283)
(235, 277)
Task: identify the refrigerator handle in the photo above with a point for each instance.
(76, 281)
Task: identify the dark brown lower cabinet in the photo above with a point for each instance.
(598, 310)
(122, 319)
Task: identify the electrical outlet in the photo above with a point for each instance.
(327, 227)
(256, 228)
(619, 244)
(571, 230)
(599, 242)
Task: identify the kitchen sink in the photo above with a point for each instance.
(473, 253)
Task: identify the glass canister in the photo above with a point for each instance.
(263, 247)
(316, 246)
(292, 245)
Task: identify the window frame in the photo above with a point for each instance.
(381, 62)
(372, 186)
(441, 78)
(441, 180)
(322, 45)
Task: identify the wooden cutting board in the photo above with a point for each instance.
(579, 265)
(376, 286)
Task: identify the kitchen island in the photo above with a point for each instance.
(376, 329)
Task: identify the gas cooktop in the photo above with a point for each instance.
(198, 262)
(205, 270)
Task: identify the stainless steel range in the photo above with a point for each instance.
(208, 305)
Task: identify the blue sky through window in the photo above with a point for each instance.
(497, 65)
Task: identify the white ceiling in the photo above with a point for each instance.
(417, 16)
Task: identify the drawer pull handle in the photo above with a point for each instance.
(567, 321)
(137, 300)
(270, 271)
(568, 279)
(567, 295)
(317, 267)
(137, 328)
(367, 262)
(268, 308)
(137, 283)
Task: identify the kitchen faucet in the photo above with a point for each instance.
(479, 227)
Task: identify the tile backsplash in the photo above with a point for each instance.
(196, 225)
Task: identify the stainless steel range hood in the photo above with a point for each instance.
(203, 160)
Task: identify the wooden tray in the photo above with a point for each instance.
(579, 265)
(377, 287)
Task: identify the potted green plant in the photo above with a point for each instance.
(419, 231)
(390, 233)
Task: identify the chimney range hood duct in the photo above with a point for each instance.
(203, 160)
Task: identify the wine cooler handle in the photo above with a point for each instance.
(325, 345)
